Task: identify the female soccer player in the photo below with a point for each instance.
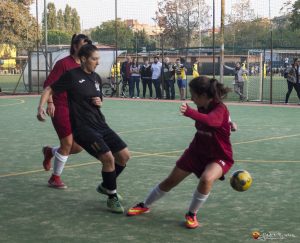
(90, 130)
(209, 155)
(59, 111)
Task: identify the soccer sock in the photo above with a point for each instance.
(154, 195)
(59, 163)
(109, 182)
(197, 201)
(54, 149)
(119, 169)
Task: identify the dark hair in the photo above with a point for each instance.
(87, 50)
(76, 40)
(296, 59)
(209, 86)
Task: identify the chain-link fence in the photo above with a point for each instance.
(260, 35)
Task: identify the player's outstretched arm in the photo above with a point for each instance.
(41, 114)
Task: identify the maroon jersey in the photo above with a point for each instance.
(60, 67)
(212, 140)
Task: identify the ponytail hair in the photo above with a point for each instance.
(76, 40)
(209, 86)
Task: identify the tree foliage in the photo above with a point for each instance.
(17, 26)
(57, 37)
(106, 34)
(67, 20)
(179, 19)
(295, 16)
(61, 24)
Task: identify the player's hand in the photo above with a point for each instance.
(97, 101)
(41, 115)
(183, 108)
(50, 109)
(233, 126)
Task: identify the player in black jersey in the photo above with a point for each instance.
(90, 130)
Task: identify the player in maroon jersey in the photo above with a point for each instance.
(59, 111)
(209, 155)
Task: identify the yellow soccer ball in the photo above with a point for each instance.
(241, 180)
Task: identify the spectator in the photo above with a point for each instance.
(134, 79)
(238, 82)
(292, 77)
(180, 76)
(146, 75)
(169, 79)
(156, 73)
(125, 70)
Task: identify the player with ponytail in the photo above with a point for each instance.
(209, 155)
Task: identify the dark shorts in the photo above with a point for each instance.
(97, 142)
(61, 121)
(190, 162)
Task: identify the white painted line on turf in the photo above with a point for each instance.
(152, 129)
(267, 139)
(19, 103)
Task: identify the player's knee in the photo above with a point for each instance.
(66, 146)
(207, 179)
(107, 159)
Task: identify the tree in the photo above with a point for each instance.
(17, 26)
(68, 18)
(179, 19)
(57, 37)
(241, 12)
(105, 33)
(51, 17)
(295, 16)
(141, 39)
(75, 21)
(60, 20)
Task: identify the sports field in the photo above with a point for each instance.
(266, 145)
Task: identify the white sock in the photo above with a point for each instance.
(153, 196)
(59, 163)
(197, 201)
(54, 149)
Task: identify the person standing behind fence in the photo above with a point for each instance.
(169, 78)
(156, 67)
(238, 82)
(146, 75)
(180, 76)
(134, 79)
(195, 69)
(292, 76)
(58, 109)
(125, 70)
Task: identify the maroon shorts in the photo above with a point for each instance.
(61, 121)
(191, 162)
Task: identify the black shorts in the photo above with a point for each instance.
(97, 142)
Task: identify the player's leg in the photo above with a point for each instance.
(92, 141)
(121, 159)
(120, 153)
(160, 190)
(212, 172)
(110, 181)
(60, 159)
